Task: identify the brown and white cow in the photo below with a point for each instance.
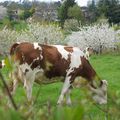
(55, 60)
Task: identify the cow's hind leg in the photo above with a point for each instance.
(68, 99)
(71, 74)
(65, 89)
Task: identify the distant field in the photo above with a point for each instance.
(107, 67)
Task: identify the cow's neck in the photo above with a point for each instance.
(89, 73)
(96, 81)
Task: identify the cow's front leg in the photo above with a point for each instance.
(28, 84)
(65, 89)
(68, 99)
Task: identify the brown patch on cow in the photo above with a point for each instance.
(13, 48)
(69, 49)
(57, 64)
(74, 74)
(27, 50)
(86, 70)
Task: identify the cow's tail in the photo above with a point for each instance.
(13, 48)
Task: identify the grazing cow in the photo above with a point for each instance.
(51, 61)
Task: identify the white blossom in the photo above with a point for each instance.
(96, 36)
(35, 32)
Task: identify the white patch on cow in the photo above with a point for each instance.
(28, 78)
(34, 60)
(26, 66)
(68, 99)
(41, 56)
(62, 51)
(3, 63)
(37, 58)
(70, 71)
(37, 46)
(75, 57)
(18, 42)
(64, 89)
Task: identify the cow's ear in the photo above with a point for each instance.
(103, 82)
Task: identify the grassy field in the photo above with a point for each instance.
(44, 108)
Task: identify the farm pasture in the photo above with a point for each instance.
(106, 66)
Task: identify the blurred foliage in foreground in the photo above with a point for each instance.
(83, 108)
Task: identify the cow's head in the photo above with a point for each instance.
(99, 94)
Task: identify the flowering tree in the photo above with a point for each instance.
(99, 37)
(7, 37)
(35, 32)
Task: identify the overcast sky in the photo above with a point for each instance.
(80, 2)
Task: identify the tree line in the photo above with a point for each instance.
(68, 9)
(109, 9)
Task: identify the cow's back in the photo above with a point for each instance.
(46, 57)
(53, 62)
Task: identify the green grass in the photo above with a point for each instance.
(14, 25)
(106, 66)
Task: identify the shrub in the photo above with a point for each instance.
(71, 25)
(36, 32)
(99, 37)
(7, 37)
